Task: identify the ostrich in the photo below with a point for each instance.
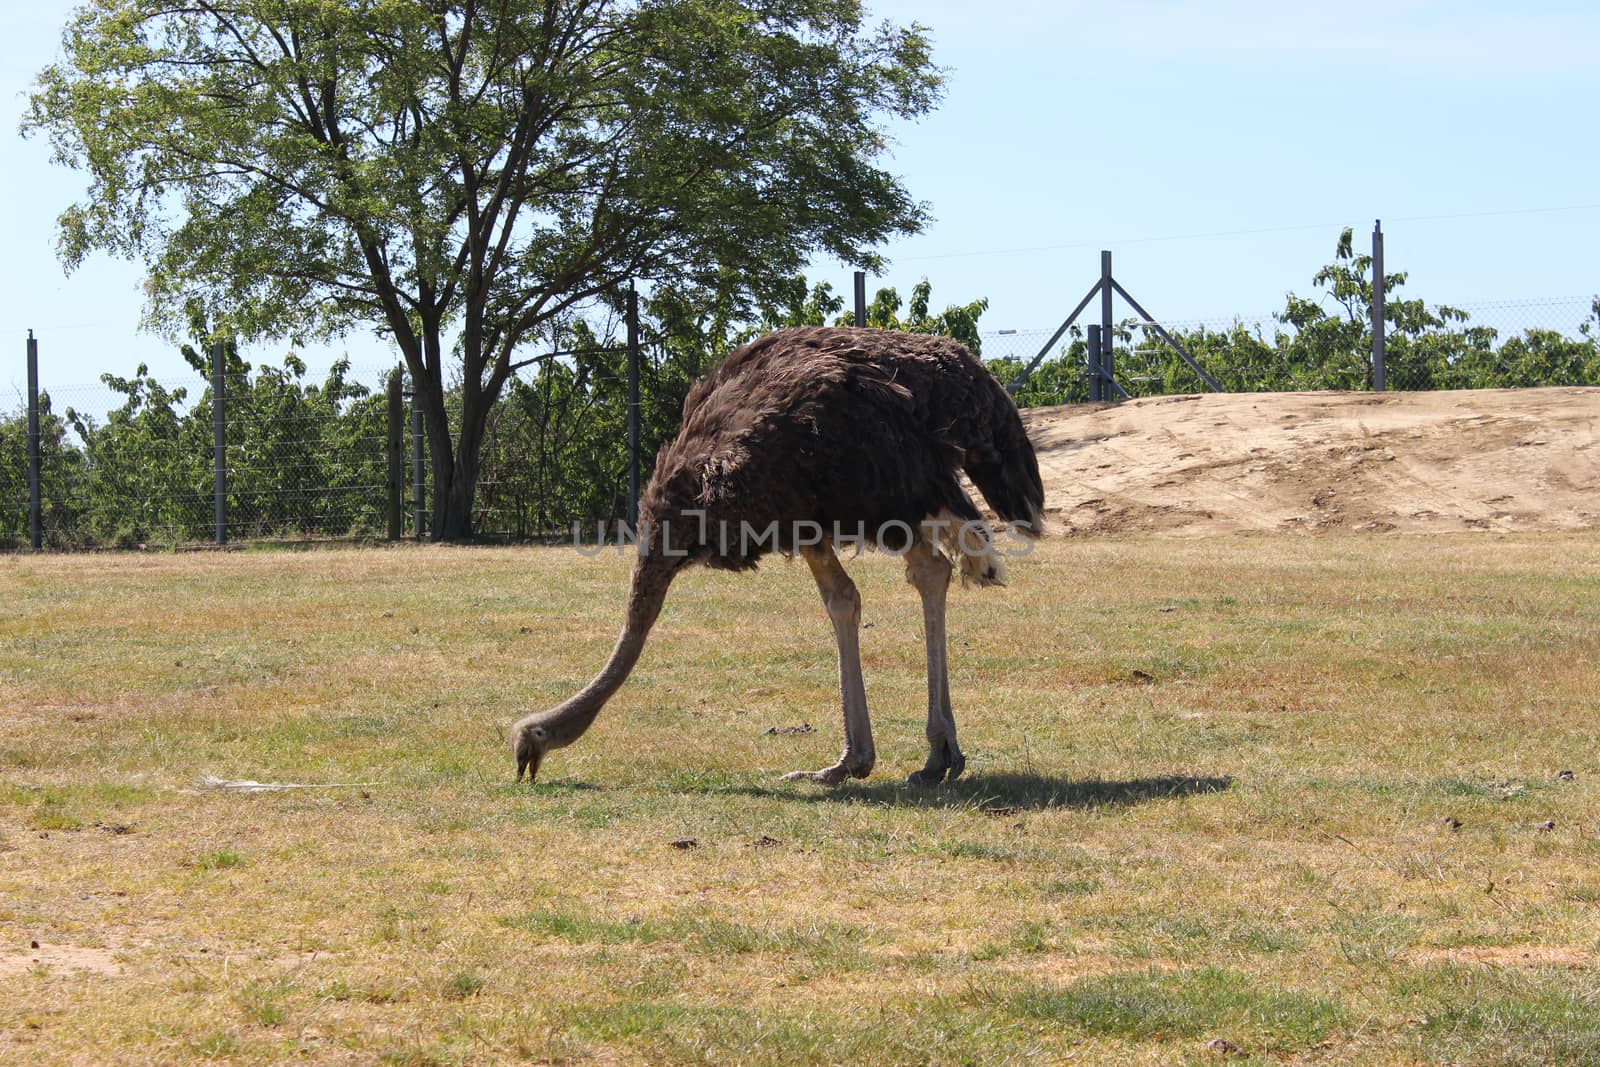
(804, 439)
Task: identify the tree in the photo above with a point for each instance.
(1338, 346)
(958, 320)
(304, 459)
(150, 466)
(460, 174)
(61, 474)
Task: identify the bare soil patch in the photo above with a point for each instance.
(61, 958)
(1508, 956)
(1195, 466)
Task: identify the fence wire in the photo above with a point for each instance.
(129, 462)
(1508, 344)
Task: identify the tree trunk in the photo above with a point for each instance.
(455, 461)
(441, 455)
(456, 486)
(441, 526)
(455, 518)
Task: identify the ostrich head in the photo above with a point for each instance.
(529, 742)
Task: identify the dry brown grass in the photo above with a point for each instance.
(1207, 798)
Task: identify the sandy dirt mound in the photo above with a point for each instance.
(1187, 466)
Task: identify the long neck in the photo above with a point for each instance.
(567, 721)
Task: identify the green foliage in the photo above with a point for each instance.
(1055, 381)
(61, 475)
(557, 446)
(797, 305)
(307, 459)
(958, 320)
(1313, 347)
(1503, 1016)
(149, 464)
(303, 460)
(462, 176)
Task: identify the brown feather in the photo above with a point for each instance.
(857, 428)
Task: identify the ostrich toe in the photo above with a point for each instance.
(831, 776)
(944, 760)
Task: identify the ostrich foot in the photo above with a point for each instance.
(944, 759)
(831, 776)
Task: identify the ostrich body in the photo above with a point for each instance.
(805, 439)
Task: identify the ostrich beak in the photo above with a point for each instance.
(528, 754)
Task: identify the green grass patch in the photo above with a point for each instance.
(826, 943)
(933, 1032)
(1504, 1017)
(263, 1003)
(1208, 1002)
(73, 806)
(221, 860)
(463, 985)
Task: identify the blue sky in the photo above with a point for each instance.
(1216, 148)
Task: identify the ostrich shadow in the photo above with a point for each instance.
(1003, 793)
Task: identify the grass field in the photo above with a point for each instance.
(1290, 799)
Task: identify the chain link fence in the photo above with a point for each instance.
(1507, 344)
(130, 461)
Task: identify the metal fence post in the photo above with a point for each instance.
(861, 297)
(419, 515)
(35, 534)
(1096, 383)
(1044, 349)
(393, 435)
(219, 439)
(1107, 336)
(633, 406)
(1380, 371)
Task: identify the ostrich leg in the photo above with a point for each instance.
(930, 573)
(839, 596)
